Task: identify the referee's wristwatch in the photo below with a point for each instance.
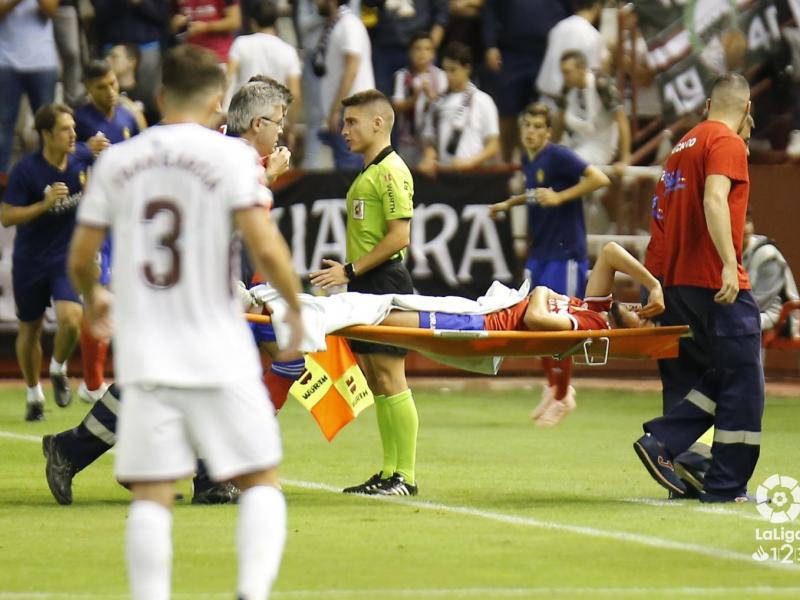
(350, 271)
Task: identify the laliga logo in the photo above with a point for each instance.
(785, 493)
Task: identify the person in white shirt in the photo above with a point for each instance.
(190, 374)
(416, 88)
(264, 53)
(462, 131)
(343, 62)
(28, 63)
(593, 115)
(576, 32)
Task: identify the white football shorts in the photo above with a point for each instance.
(163, 430)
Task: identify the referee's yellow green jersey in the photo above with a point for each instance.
(383, 191)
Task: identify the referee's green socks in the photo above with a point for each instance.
(383, 412)
(404, 423)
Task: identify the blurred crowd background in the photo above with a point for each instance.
(623, 80)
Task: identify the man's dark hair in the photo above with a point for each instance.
(365, 97)
(538, 109)
(576, 55)
(422, 34)
(380, 103)
(96, 69)
(264, 13)
(458, 52)
(189, 70)
(47, 115)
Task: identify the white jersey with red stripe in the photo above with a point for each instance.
(169, 196)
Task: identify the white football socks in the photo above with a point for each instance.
(260, 535)
(148, 550)
(57, 368)
(35, 394)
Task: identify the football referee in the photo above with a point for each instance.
(379, 210)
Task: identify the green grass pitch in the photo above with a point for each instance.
(506, 510)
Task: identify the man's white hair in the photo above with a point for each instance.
(252, 100)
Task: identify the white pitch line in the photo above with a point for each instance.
(442, 593)
(20, 436)
(610, 534)
(685, 505)
(621, 536)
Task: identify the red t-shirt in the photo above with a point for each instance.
(508, 319)
(209, 10)
(689, 255)
(584, 314)
(654, 256)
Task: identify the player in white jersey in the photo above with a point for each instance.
(184, 356)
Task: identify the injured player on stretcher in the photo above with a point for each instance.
(501, 309)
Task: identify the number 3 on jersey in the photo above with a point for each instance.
(168, 272)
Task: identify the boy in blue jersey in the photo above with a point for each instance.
(99, 123)
(43, 193)
(103, 116)
(556, 181)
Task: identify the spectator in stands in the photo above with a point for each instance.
(416, 88)
(577, 32)
(66, 28)
(343, 62)
(593, 115)
(308, 25)
(639, 74)
(464, 25)
(144, 23)
(597, 125)
(43, 193)
(264, 53)
(103, 121)
(28, 63)
(792, 37)
(462, 129)
(124, 59)
(515, 38)
(771, 278)
(207, 23)
(398, 21)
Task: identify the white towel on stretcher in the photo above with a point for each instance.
(325, 314)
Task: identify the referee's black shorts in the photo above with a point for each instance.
(391, 277)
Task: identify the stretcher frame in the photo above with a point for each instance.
(595, 346)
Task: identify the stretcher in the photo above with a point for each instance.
(596, 347)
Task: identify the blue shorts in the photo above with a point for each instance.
(562, 276)
(35, 286)
(440, 320)
(263, 332)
